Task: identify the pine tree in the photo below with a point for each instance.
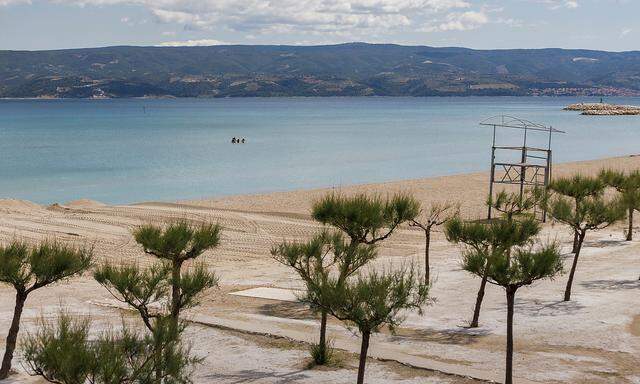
(27, 269)
(177, 243)
(512, 272)
(371, 300)
(628, 185)
(314, 261)
(160, 292)
(590, 214)
(496, 236)
(61, 351)
(365, 220)
(437, 215)
(578, 188)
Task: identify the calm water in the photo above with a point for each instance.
(122, 151)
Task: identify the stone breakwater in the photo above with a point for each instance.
(604, 109)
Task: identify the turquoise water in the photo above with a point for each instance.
(123, 151)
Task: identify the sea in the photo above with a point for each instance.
(122, 151)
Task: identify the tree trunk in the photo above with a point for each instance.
(323, 338)
(476, 310)
(12, 336)
(576, 234)
(363, 356)
(427, 244)
(157, 357)
(175, 293)
(567, 291)
(511, 295)
(630, 230)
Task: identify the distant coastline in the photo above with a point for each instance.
(355, 69)
(532, 93)
(170, 97)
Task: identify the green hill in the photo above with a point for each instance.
(346, 69)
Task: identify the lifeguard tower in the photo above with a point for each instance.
(520, 162)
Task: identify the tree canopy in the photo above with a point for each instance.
(591, 214)
(365, 219)
(628, 186)
(178, 242)
(27, 268)
(523, 268)
(578, 186)
(496, 234)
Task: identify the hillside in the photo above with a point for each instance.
(336, 70)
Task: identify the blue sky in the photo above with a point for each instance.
(51, 24)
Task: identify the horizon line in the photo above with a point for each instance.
(313, 46)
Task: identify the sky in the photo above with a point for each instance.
(611, 25)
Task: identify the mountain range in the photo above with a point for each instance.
(354, 69)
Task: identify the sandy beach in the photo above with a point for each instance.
(595, 338)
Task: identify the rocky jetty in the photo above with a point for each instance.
(604, 109)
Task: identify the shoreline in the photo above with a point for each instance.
(232, 201)
(170, 97)
(416, 185)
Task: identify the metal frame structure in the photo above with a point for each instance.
(524, 171)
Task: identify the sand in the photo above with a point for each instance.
(592, 339)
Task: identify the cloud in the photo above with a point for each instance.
(315, 17)
(511, 22)
(459, 21)
(559, 4)
(192, 43)
(625, 32)
(6, 3)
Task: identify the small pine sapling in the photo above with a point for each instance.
(437, 215)
(524, 268)
(577, 188)
(314, 262)
(628, 186)
(495, 236)
(591, 214)
(375, 299)
(27, 269)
